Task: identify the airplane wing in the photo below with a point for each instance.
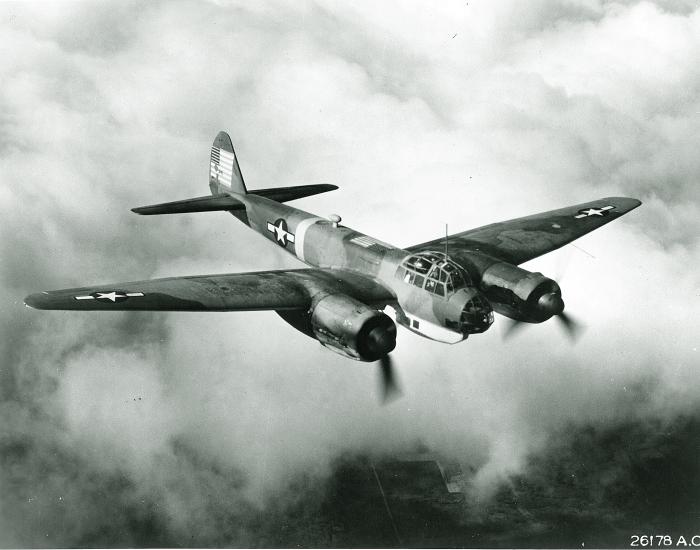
(522, 239)
(262, 290)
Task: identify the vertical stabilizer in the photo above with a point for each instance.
(224, 172)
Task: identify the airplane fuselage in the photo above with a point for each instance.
(325, 244)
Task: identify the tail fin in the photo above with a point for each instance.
(224, 172)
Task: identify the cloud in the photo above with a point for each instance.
(169, 429)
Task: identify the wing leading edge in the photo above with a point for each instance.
(519, 240)
(262, 290)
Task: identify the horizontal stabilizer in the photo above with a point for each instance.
(284, 194)
(199, 204)
(223, 201)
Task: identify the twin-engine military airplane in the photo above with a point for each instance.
(445, 289)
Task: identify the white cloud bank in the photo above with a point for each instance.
(466, 112)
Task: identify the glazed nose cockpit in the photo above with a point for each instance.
(458, 304)
(433, 271)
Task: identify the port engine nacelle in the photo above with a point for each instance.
(346, 326)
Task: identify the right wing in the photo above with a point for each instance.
(263, 290)
(522, 239)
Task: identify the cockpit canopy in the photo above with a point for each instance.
(433, 271)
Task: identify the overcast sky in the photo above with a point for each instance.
(424, 114)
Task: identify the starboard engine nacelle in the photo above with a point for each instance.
(346, 326)
(521, 294)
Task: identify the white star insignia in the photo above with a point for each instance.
(109, 296)
(593, 212)
(281, 234)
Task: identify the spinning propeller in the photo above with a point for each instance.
(388, 384)
(380, 342)
(550, 305)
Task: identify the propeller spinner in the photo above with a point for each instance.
(550, 305)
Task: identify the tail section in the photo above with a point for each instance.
(225, 182)
(224, 172)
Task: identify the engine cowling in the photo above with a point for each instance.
(346, 326)
(521, 294)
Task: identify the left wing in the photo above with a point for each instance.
(522, 239)
(262, 290)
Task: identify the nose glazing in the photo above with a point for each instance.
(476, 317)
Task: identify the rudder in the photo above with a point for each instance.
(224, 172)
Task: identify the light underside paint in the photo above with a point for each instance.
(434, 332)
(426, 328)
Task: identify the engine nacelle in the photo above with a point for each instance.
(346, 326)
(521, 294)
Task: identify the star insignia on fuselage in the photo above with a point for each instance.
(587, 212)
(281, 232)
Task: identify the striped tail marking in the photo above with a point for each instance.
(221, 166)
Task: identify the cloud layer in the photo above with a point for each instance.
(169, 429)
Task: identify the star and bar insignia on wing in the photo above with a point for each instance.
(112, 296)
(586, 212)
(281, 231)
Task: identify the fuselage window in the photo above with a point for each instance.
(431, 285)
(422, 266)
(443, 276)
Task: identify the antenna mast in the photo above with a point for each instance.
(446, 238)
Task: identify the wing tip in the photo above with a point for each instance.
(37, 300)
(628, 203)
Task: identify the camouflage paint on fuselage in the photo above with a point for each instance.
(317, 242)
(321, 243)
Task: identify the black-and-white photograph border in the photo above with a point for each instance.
(350, 274)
